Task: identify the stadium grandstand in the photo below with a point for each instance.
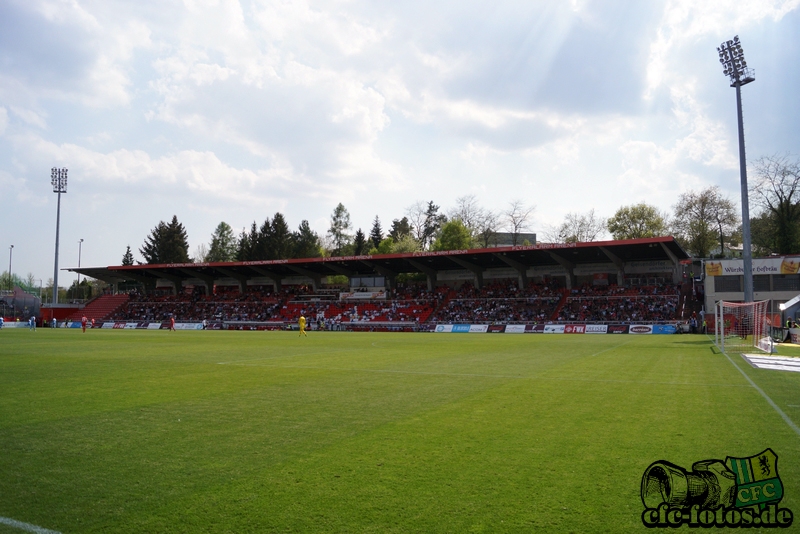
(631, 281)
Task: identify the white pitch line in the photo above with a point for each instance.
(476, 375)
(26, 526)
(783, 415)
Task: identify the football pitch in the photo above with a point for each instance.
(156, 431)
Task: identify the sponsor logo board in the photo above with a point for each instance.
(575, 329)
(596, 328)
(461, 328)
(131, 326)
(664, 328)
(534, 329)
(108, 325)
(188, 326)
(478, 328)
(497, 328)
(153, 326)
(617, 329)
(516, 328)
(554, 329)
(640, 329)
(443, 328)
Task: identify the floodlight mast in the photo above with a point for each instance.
(734, 66)
(58, 178)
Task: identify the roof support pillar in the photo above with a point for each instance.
(568, 266)
(431, 273)
(316, 279)
(475, 269)
(521, 268)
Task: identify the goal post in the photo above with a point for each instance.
(742, 326)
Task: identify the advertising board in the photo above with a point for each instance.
(617, 329)
(461, 328)
(497, 328)
(554, 329)
(596, 328)
(478, 328)
(664, 328)
(515, 329)
(443, 328)
(575, 329)
(640, 329)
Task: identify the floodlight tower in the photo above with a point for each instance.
(734, 66)
(10, 278)
(80, 243)
(58, 177)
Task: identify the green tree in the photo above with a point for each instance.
(407, 243)
(453, 236)
(127, 258)
(400, 229)
(386, 246)
(376, 234)
(338, 231)
(433, 223)
(248, 242)
(359, 243)
(578, 228)
(764, 234)
(223, 244)
(702, 219)
(167, 243)
(776, 190)
(281, 245)
(82, 291)
(306, 242)
(637, 221)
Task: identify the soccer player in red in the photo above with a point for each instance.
(83, 323)
(172, 323)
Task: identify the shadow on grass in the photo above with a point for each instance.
(715, 350)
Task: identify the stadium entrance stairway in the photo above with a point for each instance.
(561, 304)
(100, 308)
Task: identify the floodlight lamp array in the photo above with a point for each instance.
(734, 65)
(58, 177)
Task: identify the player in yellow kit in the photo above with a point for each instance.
(302, 324)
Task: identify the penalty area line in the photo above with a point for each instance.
(477, 375)
(783, 415)
(27, 527)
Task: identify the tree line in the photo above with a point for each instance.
(705, 223)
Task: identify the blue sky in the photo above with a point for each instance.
(231, 110)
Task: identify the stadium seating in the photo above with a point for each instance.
(497, 302)
(100, 308)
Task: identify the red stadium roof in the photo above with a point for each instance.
(518, 257)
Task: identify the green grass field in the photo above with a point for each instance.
(156, 431)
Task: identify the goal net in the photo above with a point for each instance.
(742, 326)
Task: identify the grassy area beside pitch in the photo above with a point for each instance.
(156, 431)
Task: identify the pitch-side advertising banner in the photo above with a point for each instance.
(664, 328)
(787, 265)
(461, 328)
(515, 329)
(575, 329)
(497, 328)
(478, 328)
(640, 329)
(554, 329)
(596, 328)
(447, 328)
